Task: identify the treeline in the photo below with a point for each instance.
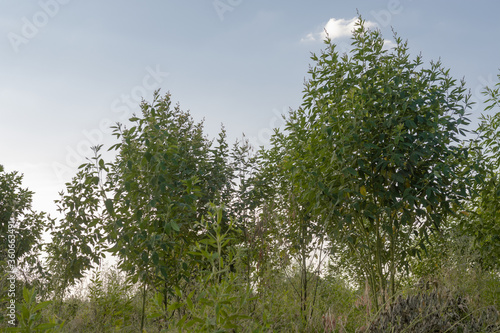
(376, 209)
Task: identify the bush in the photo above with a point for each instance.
(434, 311)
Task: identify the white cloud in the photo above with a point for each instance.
(309, 38)
(389, 44)
(336, 29)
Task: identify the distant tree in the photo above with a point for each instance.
(21, 230)
(292, 236)
(483, 222)
(77, 240)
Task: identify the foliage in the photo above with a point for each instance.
(220, 302)
(483, 224)
(15, 207)
(21, 231)
(144, 206)
(293, 235)
(29, 315)
(110, 302)
(462, 277)
(107, 302)
(165, 174)
(435, 311)
(379, 156)
(156, 193)
(76, 244)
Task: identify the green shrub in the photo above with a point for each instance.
(29, 315)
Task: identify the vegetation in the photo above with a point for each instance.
(371, 212)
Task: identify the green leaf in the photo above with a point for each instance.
(362, 190)
(145, 257)
(45, 326)
(164, 273)
(350, 170)
(155, 258)
(175, 226)
(109, 206)
(177, 291)
(174, 306)
(397, 177)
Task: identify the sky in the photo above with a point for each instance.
(70, 69)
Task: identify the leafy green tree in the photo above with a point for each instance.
(293, 233)
(77, 238)
(483, 224)
(165, 175)
(145, 205)
(21, 230)
(157, 195)
(380, 161)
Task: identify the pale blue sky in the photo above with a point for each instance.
(69, 67)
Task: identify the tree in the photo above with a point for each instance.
(483, 224)
(77, 242)
(380, 162)
(144, 207)
(296, 236)
(21, 230)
